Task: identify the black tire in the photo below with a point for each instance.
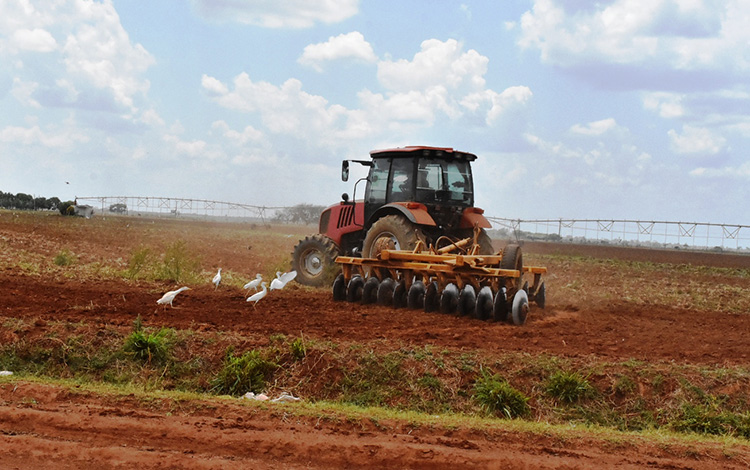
(431, 298)
(520, 308)
(484, 304)
(354, 289)
(415, 298)
(513, 259)
(449, 299)
(339, 288)
(370, 290)
(540, 297)
(314, 259)
(400, 232)
(385, 291)
(399, 295)
(467, 300)
(500, 306)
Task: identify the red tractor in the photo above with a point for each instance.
(411, 194)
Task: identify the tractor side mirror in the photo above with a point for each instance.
(345, 170)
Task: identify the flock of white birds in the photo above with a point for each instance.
(281, 280)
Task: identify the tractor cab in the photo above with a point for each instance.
(438, 178)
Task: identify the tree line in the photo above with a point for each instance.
(28, 202)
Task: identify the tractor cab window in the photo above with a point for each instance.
(402, 182)
(446, 181)
(377, 182)
(458, 181)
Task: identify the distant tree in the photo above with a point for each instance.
(66, 208)
(300, 214)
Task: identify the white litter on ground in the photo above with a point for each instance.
(4, 373)
(283, 398)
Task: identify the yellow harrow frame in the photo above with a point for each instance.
(487, 287)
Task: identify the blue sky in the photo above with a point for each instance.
(613, 109)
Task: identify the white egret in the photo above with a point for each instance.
(258, 295)
(217, 279)
(254, 283)
(168, 298)
(282, 279)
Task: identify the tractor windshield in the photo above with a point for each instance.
(447, 181)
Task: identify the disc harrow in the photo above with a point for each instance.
(485, 287)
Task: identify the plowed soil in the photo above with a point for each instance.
(52, 427)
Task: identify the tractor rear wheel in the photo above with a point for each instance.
(314, 260)
(393, 232)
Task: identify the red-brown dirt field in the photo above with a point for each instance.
(49, 426)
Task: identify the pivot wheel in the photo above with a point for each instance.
(314, 260)
(392, 232)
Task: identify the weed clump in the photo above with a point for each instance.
(568, 387)
(147, 347)
(495, 395)
(178, 265)
(64, 258)
(246, 373)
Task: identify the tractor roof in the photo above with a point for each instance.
(418, 150)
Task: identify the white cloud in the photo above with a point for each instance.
(667, 105)
(275, 14)
(344, 46)
(648, 35)
(595, 127)
(437, 63)
(740, 172)
(696, 140)
(34, 135)
(36, 40)
(92, 64)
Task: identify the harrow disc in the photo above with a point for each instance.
(431, 297)
(415, 298)
(370, 290)
(354, 289)
(540, 297)
(385, 291)
(339, 288)
(449, 299)
(520, 309)
(399, 295)
(467, 300)
(484, 305)
(500, 307)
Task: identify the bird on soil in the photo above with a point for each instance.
(258, 295)
(168, 298)
(254, 283)
(217, 279)
(282, 279)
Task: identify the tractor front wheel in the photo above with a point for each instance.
(314, 260)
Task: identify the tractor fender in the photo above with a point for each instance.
(414, 211)
(474, 216)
